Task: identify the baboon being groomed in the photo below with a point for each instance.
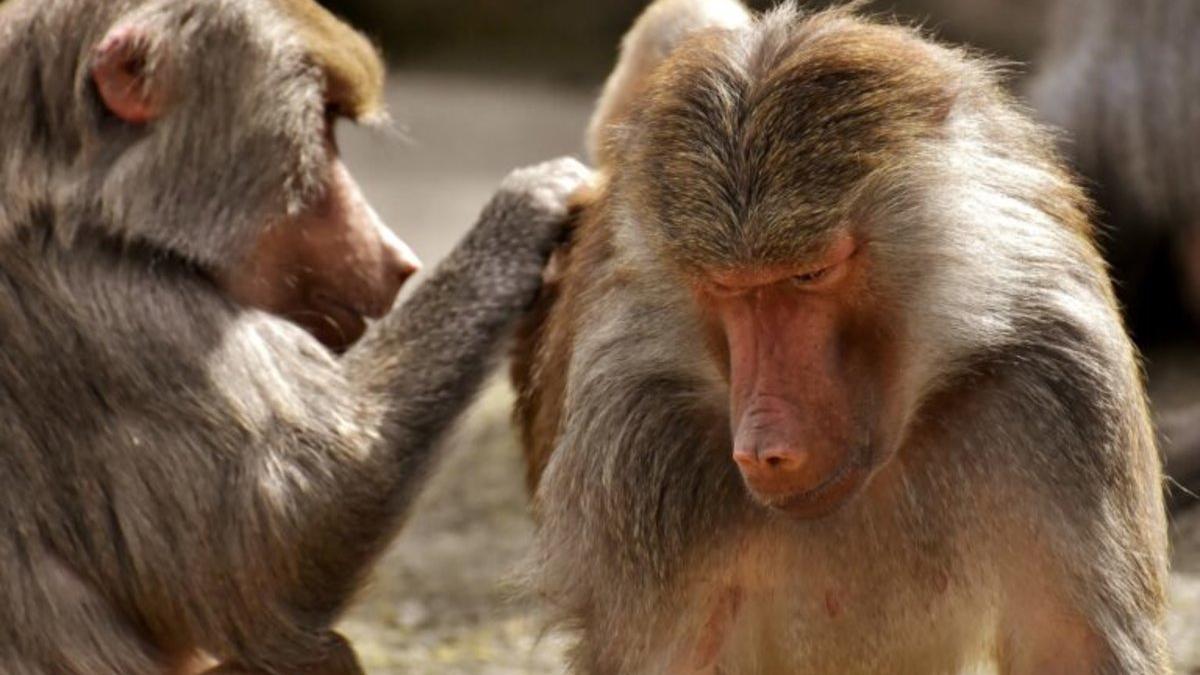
(831, 379)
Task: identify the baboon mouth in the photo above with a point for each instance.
(837, 490)
(335, 324)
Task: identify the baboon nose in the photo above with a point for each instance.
(399, 263)
(779, 468)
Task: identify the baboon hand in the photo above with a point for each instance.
(519, 229)
(533, 205)
(545, 190)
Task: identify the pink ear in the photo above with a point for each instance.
(119, 71)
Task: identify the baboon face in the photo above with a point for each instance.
(803, 370)
(293, 237)
(750, 184)
(327, 268)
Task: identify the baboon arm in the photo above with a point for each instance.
(429, 358)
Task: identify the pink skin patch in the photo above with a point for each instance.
(118, 69)
(795, 436)
(715, 632)
(833, 604)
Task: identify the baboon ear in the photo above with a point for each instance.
(121, 69)
(656, 33)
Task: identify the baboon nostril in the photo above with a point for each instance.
(780, 458)
(767, 459)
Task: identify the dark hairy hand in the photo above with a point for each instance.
(522, 225)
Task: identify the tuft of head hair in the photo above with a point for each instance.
(655, 34)
(352, 66)
(741, 134)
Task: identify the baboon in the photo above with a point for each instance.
(831, 378)
(183, 470)
(1124, 83)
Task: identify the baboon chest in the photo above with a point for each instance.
(809, 609)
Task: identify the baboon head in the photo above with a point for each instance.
(234, 165)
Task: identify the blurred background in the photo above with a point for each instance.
(477, 88)
(575, 40)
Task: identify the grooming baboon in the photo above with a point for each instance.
(180, 471)
(831, 379)
(1124, 82)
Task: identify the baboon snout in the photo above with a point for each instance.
(397, 263)
(353, 255)
(329, 268)
(354, 265)
(791, 405)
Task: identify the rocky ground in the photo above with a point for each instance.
(445, 600)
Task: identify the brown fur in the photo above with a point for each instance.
(354, 71)
(541, 354)
(884, 93)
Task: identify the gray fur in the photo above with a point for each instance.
(180, 473)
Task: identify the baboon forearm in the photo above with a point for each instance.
(430, 357)
(452, 356)
(439, 358)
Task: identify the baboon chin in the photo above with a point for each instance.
(831, 378)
